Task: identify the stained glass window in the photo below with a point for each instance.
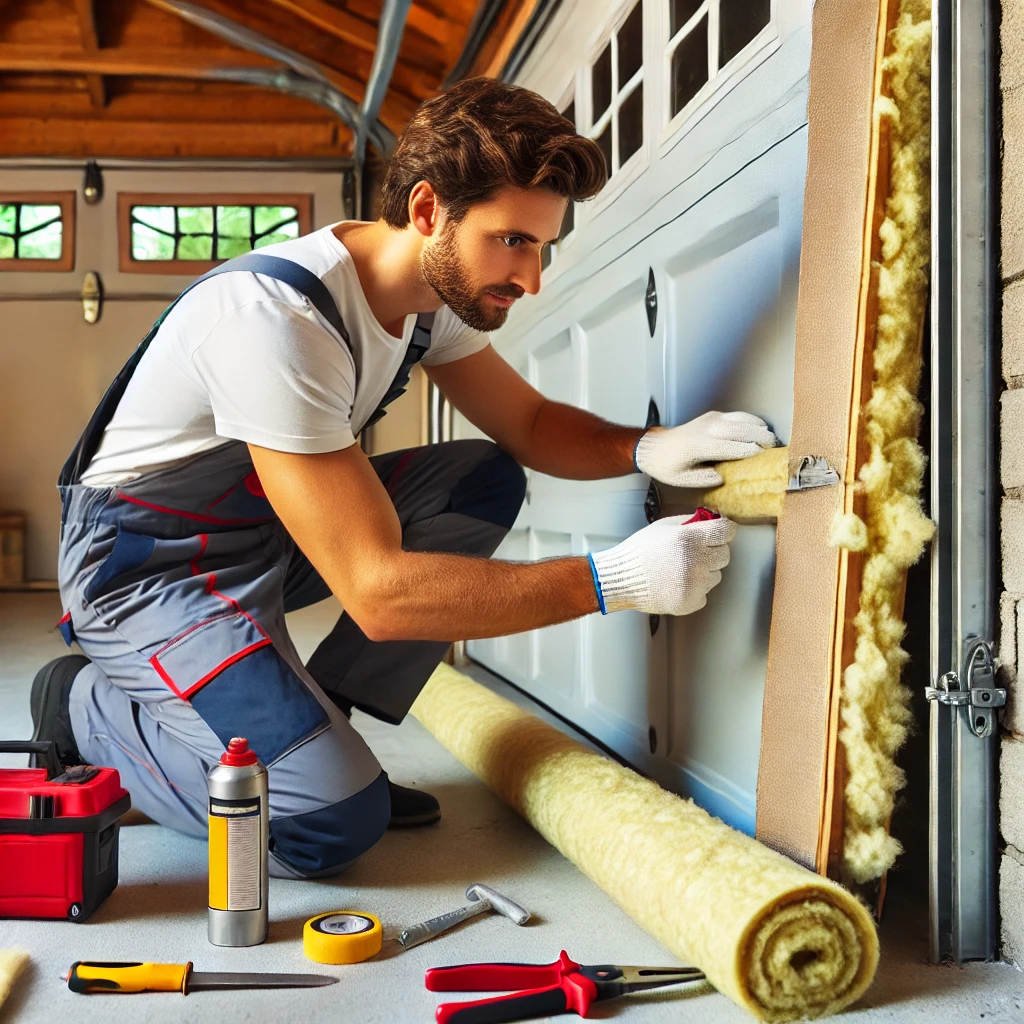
(208, 232)
(31, 231)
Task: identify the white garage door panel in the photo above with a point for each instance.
(553, 666)
(717, 663)
(715, 218)
(551, 369)
(616, 334)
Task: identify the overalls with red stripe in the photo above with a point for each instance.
(176, 587)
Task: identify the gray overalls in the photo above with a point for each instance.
(176, 586)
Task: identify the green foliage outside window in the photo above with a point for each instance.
(31, 231)
(208, 232)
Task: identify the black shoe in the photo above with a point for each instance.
(410, 807)
(51, 718)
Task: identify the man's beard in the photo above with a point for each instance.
(445, 272)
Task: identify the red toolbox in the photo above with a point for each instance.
(58, 835)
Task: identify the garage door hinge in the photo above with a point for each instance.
(980, 697)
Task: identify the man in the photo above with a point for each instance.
(219, 485)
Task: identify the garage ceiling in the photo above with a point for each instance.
(132, 78)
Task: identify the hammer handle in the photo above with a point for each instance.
(428, 929)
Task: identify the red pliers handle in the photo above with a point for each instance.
(549, 988)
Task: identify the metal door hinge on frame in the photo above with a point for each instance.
(965, 571)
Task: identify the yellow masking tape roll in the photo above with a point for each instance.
(342, 937)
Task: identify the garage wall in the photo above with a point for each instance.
(54, 367)
(1011, 647)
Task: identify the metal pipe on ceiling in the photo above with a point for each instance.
(390, 29)
(306, 77)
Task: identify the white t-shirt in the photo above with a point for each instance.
(248, 358)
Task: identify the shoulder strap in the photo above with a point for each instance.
(286, 271)
(419, 343)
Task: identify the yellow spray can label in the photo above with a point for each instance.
(235, 854)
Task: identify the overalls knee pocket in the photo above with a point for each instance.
(202, 643)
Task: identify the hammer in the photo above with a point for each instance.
(484, 898)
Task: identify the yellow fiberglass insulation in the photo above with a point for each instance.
(751, 489)
(12, 964)
(875, 704)
(779, 940)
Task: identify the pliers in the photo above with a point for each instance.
(560, 987)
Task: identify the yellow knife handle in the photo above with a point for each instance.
(89, 976)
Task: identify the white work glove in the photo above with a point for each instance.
(678, 455)
(666, 568)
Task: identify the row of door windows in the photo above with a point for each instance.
(168, 233)
(700, 38)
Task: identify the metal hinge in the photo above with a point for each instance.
(980, 697)
(813, 471)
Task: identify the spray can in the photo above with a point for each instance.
(239, 875)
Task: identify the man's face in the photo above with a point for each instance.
(480, 265)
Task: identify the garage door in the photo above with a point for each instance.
(672, 293)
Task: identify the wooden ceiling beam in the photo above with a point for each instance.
(172, 63)
(333, 21)
(91, 44)
(83, 136)
(168, 62)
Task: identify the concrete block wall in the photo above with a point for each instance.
(1011, 467)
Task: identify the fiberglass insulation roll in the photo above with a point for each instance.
(782, 942)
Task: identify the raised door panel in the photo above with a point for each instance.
(731, 314)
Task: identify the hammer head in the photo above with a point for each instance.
(502, 904)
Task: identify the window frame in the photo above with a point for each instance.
(67, 203)
(722, 81)
(568, 98)
(303, 203)
(618, 179)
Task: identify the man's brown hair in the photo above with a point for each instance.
(482, 135)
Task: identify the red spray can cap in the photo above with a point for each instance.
(238, 754)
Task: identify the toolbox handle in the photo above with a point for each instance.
(45, 749)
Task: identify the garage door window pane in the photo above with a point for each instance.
(740, 21)
(630, 41)
(601, 77)
(31, 231)
(690, 66)
(680, 12)
(165, 233)
(148, 244)
(631, 124)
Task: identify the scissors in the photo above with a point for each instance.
(543, 988)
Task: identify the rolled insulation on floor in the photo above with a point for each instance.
(12, 963)
(780, 941)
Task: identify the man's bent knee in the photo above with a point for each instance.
(325, 841)
(492, 491)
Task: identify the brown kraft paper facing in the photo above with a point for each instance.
(798, 705)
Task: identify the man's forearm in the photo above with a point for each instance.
(577, 445)
(422, 596)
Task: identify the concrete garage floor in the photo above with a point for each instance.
(158, 910)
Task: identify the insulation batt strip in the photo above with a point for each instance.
(751, 489)
(12, 963)
(780, 941)
(875, 705)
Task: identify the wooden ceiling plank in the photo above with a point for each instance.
(333, 21)
(193, 63)
(83, 136)
(86, 13)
